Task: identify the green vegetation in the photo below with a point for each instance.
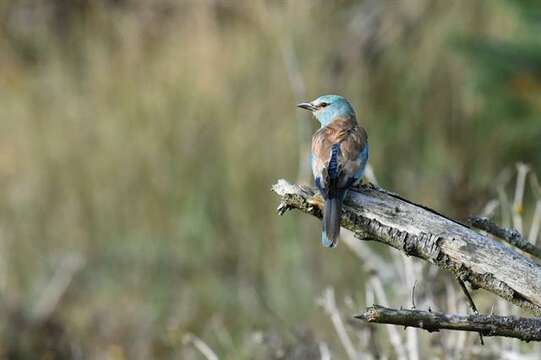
(143, 137)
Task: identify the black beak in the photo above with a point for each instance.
(307, 106)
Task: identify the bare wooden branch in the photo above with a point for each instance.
(511, 236)
(526, 329)
(375, 214)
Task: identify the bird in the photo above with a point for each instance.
(338, 158)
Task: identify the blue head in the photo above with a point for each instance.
(328, 107)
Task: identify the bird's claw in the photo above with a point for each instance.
(315, 202)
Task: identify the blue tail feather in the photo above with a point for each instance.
(332, 214)
(325, 241)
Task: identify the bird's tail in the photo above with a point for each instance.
(332, 215)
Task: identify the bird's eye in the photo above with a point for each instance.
(322, 105)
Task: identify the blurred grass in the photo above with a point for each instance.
(146, 136)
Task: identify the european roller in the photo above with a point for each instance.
(339, 157)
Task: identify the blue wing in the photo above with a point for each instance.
(363, 159)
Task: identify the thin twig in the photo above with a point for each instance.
(412, 341)
(472, 304)
(511, 236)
(468, 296)
(527, 329)
(413, 295)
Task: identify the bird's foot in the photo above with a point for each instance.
(315, 202)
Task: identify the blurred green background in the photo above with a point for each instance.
(139, 141)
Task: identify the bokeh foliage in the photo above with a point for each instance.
(145, 136)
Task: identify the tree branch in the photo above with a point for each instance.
(511, 236)
(526, 329)
(375, 214)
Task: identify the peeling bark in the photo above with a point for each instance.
(375, 214)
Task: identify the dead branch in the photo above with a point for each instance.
(511, 236)
(375, 214)
(526, 329)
